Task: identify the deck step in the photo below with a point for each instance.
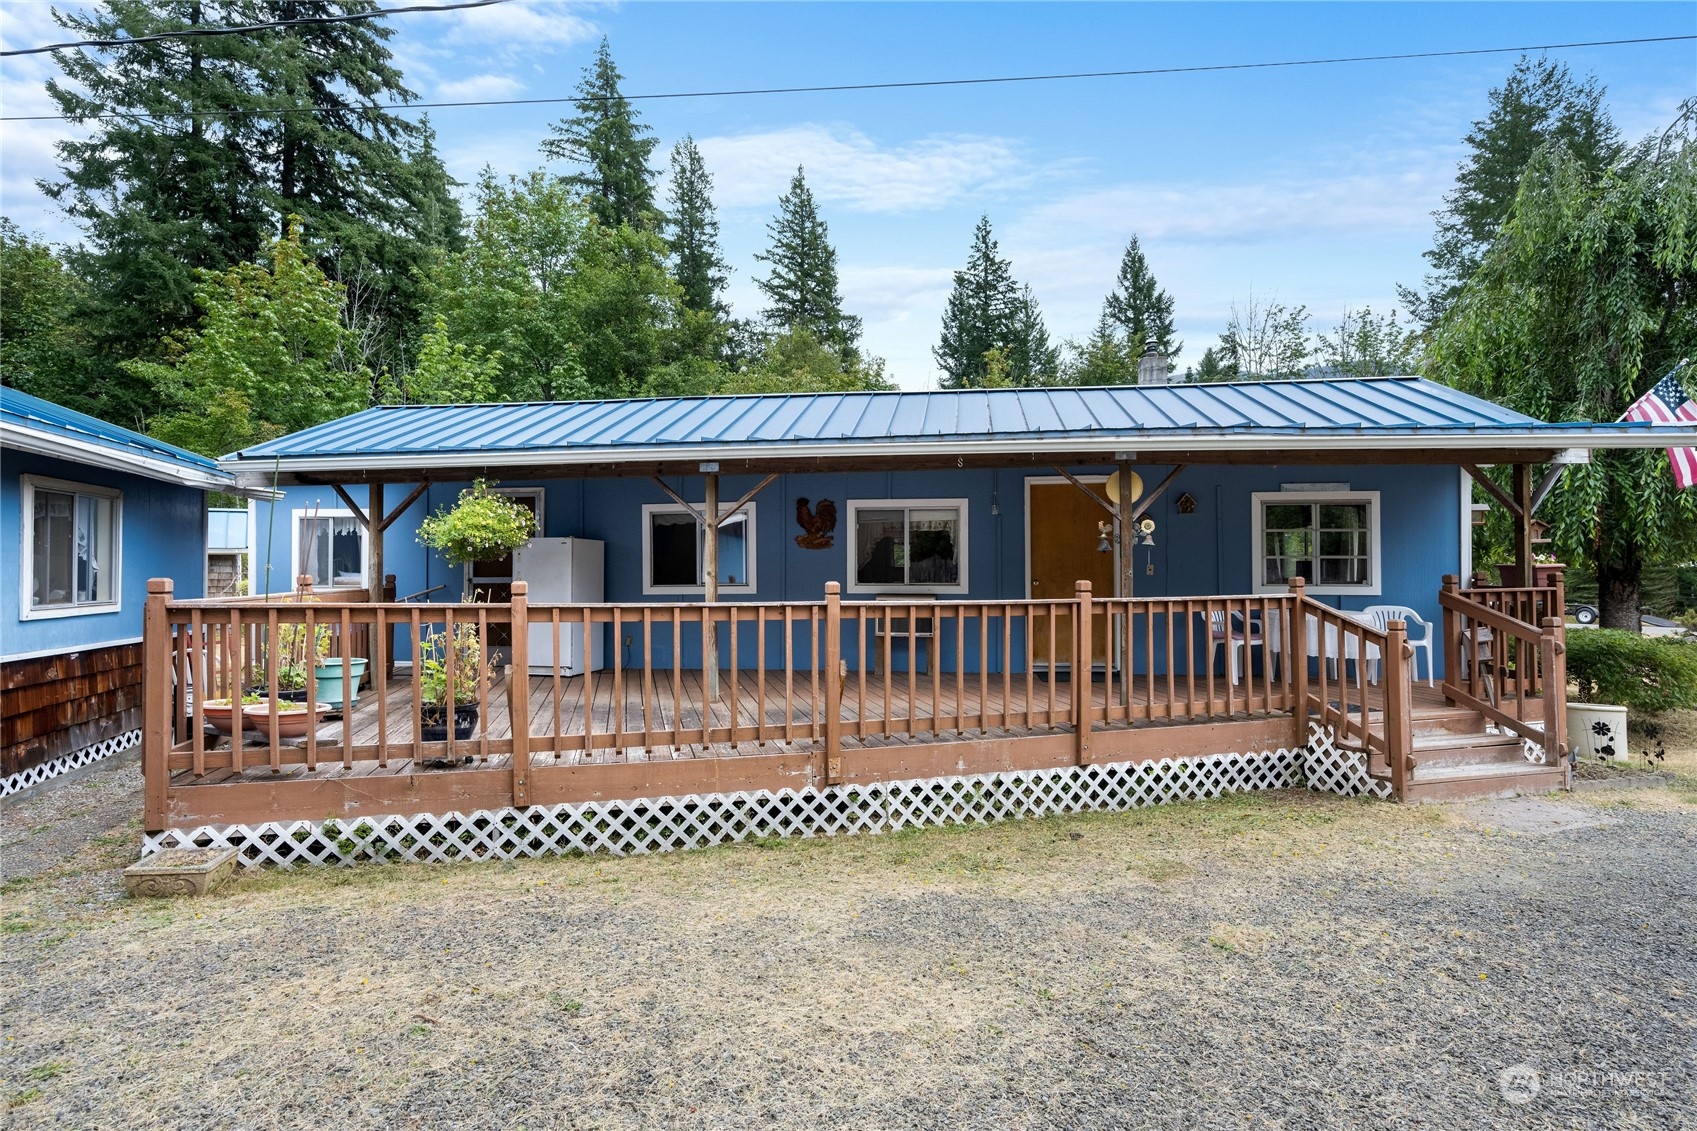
(1435, 750)
(1464, 782)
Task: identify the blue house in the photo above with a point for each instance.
(91, 512)
(761, 615)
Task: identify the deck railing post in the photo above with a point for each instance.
(156, 669)
(834, 682)
(1083, 664)
(1296, 651)
(518, 691)
(1559, 581)
(1552, 643)
(1452, 636)
(1399, 717)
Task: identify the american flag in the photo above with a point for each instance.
(1668, 403)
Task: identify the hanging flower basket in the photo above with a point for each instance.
(480, 527)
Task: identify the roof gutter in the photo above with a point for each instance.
(112, 459)
(248, 473)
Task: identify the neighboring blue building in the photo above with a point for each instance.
(90, 512)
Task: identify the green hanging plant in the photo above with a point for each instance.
(481, 526)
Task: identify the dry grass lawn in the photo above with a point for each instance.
(1284, 960)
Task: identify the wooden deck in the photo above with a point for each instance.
(931, 710)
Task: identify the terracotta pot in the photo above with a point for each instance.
(1543, 575)
(220, 715)
(293, 720)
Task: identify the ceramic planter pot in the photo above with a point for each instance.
(329, 676)
(1597, 730)
(220, 715)
(433, 722)
(293, 720)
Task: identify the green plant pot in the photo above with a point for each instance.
(329, 675)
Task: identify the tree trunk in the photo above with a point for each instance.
(1617, 594)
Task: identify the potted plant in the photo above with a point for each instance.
(1544, 569)
(328, 673)
(471, 675)
(293, 717)
(220, 714)
(481, 526)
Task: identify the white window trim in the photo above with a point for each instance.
(28, 484)
(649, 589)
(961, 552)
(295, 517)
(1257, 542)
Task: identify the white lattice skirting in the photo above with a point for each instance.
(635, 827)
(35, 775)
(1331, 768)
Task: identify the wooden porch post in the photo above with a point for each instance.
(518, 692)
(374, 528)
(1523, 522)
(156, 703)
(1296, 640)
(1452, 637)
(1127, 585)
(834, 682)
(710, 579)
(1552, 644)
(1399, 717)
(1083, 682)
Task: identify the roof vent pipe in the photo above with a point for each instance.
(1152, 368)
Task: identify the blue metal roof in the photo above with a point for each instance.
(1334, 413)
(29, 423)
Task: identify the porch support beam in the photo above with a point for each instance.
(1547, 484)
(1490, 488)
(1523, 522)
(1126, 520)
(389, 519)
(1088, 493)
(710, 579)
(726, 516)
(1160, 489)
(359, 515)
(679, 499)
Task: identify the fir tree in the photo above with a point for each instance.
(1539, 102)
(610, 145)
(802, 287)
(694, 227)
(980, 315)
(1104, 358)
(1140, 308)
(1209, 368)
(1032, 358)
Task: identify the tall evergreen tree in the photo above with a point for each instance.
(802, 287)
(1140, 308)
(694, 228)
(1540, 102)
(980, 315)
(200, 147)
(1104, 358)
(611, 146)
(1032, 358)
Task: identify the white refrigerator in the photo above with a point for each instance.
(562, 571)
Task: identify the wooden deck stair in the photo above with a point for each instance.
(1458, 757)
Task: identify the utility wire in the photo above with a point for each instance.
(912, 85)
(243, 29)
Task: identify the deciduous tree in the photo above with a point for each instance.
(1364, 344)
(1264, 341)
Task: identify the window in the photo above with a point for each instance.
(1330, 540)
(674, 551)
(907, 545)
(330, 546)
(70, 548)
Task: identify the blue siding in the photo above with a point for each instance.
(163, 535)
(1204, 553)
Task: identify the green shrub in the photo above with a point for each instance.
(1645, 674)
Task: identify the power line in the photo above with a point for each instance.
(243, 29)
(911, 85)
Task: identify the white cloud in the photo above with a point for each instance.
(477, 87)
(523, 23)
(846, 167)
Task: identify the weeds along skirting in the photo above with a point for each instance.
(665, 824)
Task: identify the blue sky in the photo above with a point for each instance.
(1309, 185)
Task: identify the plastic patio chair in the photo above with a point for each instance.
(1382, 615)
(1238, 640)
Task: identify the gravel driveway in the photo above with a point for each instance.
(1274, 961)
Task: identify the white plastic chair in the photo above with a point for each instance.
(1236, 636)
(1382, 615)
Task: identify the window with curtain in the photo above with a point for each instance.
(1330, 541)
(331, 549)
(917, 545)
(71, 546)
(674, 551)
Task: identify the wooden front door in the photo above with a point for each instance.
(1061, 536)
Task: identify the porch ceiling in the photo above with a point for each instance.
(1382, 420)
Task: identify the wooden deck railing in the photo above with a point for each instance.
(823, 674)
(1505, 656)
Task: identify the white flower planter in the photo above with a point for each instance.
(1597, 730)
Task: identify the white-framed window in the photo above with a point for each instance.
(331, 547)
(674, 551)
(1330, 539)
(907, 546)
(72, 535)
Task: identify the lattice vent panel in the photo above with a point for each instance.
(88, 755)
(638, 826)
(1331, 768)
